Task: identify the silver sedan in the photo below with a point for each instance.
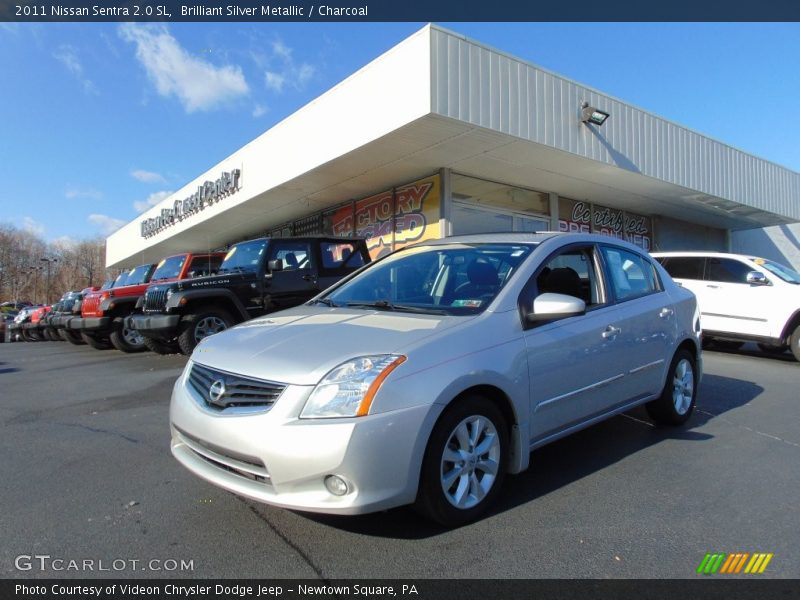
(430, 374)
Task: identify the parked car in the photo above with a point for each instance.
(434, 371)
(742, 298)
(33, 330)
(17, 327)
(103, 313)
(256, 277)
(6, 318)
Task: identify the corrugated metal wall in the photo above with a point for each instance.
(492, 90)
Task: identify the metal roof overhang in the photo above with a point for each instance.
(432, 142)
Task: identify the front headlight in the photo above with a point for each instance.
(348, 390)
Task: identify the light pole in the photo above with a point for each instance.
(34, 271)
(49, 260)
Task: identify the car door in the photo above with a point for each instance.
(572, 362)
(296, 281)
(645, 322)
(731, 304)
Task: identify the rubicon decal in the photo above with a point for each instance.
(721, 563)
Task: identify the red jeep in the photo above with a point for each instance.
(103, 312)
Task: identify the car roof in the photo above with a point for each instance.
(701, 253)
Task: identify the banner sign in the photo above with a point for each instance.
(394, 218)
(584, 217)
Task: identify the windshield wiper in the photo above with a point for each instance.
(386, 305)
(325, 301)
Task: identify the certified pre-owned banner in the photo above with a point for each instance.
(386, 10)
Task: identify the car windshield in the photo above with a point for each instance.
(243, 257)
(169, 268)
(120, 280)
(453, 279)
(778, 269)
(138, 275)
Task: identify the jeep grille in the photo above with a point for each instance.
(155, 300)
(241, 395)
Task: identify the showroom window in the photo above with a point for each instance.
(481, 206)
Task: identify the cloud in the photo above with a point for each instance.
(289, 73)
(107, 225)
(147, 176)
(65, 241)
(274, 81)
(67, 55)
(31, 226)
(198, 84)
(74, 192)
(259, 110)
(151, 201)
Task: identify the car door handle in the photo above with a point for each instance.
(611, 331)
(310, 277)
(666, 312)
(713, 287)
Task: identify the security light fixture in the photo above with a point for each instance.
(590, 114)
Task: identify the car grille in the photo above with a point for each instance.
(90, 304)
(247, 467)
(155, 300)
(238, 394)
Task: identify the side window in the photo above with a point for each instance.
(573, 273)
(340, 255)
(202, 266)
(690, 267)
(631, 274)
(294, 255)
(726, 270)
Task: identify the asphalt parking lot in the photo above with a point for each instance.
(87, 475)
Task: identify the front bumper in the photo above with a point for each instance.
(90, 324)
(277, 458)
(154, 326)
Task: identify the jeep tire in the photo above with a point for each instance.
(127, 340)
(97, 343)
(794, 342)
(203, 323)
(159, 347)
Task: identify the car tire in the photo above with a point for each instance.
(794, 342)
(464, 463)
(200, 325)
(73, 337)
(159, 347)
(29, 336)
(52, 335)
(95, 342)
(677, 400)
(774, 349)
(127, 340)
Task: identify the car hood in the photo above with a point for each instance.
(301, 345)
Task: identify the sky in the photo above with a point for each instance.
(99, 121)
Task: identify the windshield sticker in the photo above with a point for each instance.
(759, 261)
(161, 264)
(230, 253)
(467, 303)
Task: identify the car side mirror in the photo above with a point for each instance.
(547, 307)
(275, 265)
(757, 278)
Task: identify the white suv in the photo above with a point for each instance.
(741, 298)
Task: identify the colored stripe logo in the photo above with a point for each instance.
(734, 563)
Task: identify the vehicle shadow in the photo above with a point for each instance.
(749, 349)
(568, 460)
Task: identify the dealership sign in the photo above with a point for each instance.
(206, 195)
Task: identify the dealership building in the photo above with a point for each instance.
(442, 136)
